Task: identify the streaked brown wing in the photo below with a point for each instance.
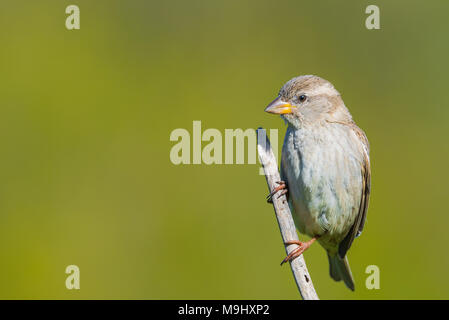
(359, 223)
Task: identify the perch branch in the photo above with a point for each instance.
(284, 217)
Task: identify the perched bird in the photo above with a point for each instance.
(325, 168)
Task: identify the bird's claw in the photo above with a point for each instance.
(282, 186)
(303, 246)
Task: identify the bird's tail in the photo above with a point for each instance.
(339, 270)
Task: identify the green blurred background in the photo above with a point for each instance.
(86, 116)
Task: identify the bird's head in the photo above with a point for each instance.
(309, 99)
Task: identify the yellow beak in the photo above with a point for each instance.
(277, 106)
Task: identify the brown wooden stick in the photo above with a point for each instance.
(284, 217)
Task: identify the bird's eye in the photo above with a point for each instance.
(302, 98)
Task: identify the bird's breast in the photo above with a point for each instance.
(322, 166)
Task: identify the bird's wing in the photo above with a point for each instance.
(357, 227)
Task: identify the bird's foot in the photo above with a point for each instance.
(303, 246)
(281, 186)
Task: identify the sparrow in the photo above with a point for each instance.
(325, 168)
